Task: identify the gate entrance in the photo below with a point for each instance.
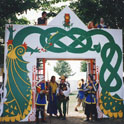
(44, 64)
(45, 67)
(26, 46)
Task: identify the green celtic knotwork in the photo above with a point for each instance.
(55, 35)
(71, 34)
(107, 58)
(46, 37)
(46, 34)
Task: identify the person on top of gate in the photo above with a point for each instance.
(80, 95)
(42, 20)
(102, 24)
(41, 99)
(90, 91)
(63, 92)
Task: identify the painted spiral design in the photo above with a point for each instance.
(10, 47)
(20, 50)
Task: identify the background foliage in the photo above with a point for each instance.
(83, 66)
(63, 68)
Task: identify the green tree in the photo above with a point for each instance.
(63, 68)
(10, 8)
(22, 21)
(93, 10)
(110, 10)
(83, 66)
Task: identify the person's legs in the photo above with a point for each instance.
(59, 108)
(87, 111)
(78, 104)
(43, 112)
(94, 112)
(83, 104)
(64, 108)
(54, 105)
(37, 113)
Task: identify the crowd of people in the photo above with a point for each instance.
(57, 95)
(43, 21)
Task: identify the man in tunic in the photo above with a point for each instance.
(80, 95)
(41, 100)
(91, 89)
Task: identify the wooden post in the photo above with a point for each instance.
(44, 67)
(91, 66)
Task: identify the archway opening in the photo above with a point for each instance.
(46, 67)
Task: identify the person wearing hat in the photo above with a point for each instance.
(90, 101)
(63, 96)
(80, 95)
(40, 100)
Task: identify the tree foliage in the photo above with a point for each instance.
(93, 10)
(63, 68)
(83, 66)
(10, 8)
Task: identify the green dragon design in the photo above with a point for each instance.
(18, 104)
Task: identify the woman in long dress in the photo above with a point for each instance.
(52, 97)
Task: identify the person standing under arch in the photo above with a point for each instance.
(52, 97)
(63, 96)
(91, 89)
(80, 95)
(41, 100)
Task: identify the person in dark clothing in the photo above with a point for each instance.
(63, 96)
(42, 20)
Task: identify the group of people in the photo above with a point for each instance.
(43, 21)
(100, 25)
(87, 96)
(57, 94)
